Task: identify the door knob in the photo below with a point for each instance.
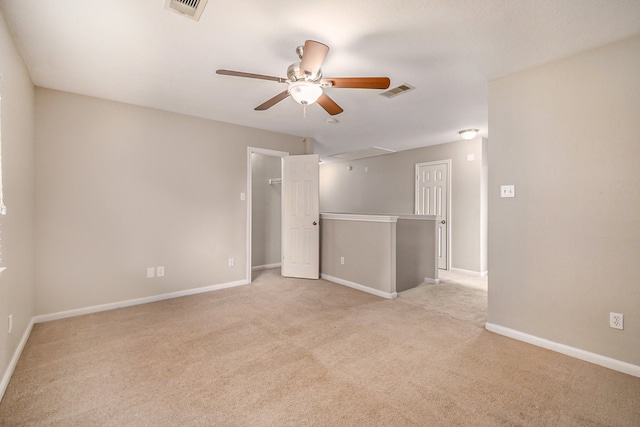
(315, 223)
(443, 222)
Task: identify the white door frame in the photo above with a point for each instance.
(449, 198)
(250, 151)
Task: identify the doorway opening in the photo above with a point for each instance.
(264, 208)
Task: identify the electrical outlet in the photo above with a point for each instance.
(232, 262)
(342, 260)
(160, 271)
(151, 272)
(616, 320)
(10, 323)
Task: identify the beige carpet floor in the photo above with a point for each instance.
(289, 352)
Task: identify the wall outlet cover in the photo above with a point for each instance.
(616, 320)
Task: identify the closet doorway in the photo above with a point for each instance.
(264, 209)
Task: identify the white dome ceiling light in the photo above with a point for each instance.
(468, 134)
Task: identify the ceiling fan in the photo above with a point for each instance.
(306, 83)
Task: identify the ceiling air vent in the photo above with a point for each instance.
(395, 91)
(189, 8)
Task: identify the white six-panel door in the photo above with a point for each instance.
(300, 217)
(432, 198)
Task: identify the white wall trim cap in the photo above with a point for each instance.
(360, 287)
(359, 217)
(598, 359)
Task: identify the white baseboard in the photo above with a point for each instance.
(360, 287)
(470, 272)
(266, 266)
(430, 281)
(598, 359)
(97, 308)
(14, 360)
(132, 302)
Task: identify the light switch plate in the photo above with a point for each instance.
(507, 191)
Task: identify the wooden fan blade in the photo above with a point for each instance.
(273, 101)
(329, 105)
(250, 75)
(313, 54)
(359, 82)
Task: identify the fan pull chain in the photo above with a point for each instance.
(304, 128)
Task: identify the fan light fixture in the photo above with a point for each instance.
(468, 133)
(305, 93)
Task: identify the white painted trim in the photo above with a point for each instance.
(360, 287)
(14, 360)
(374, 217)
(95, 309)
(359, 217)
(469, 272)
(598, 359)
(249, 193)
(266, 266)
(138, 301)
(430, 281)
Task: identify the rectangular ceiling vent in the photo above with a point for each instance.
(362, 154)
(190, 8)
(395, 91)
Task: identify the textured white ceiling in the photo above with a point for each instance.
(137, 52)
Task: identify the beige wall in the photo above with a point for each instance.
(416, 253)
(382, 254)
(368, 248)
(17, 282)
(120, 188)
(564, 252)
(389, 187)
(266, 207)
